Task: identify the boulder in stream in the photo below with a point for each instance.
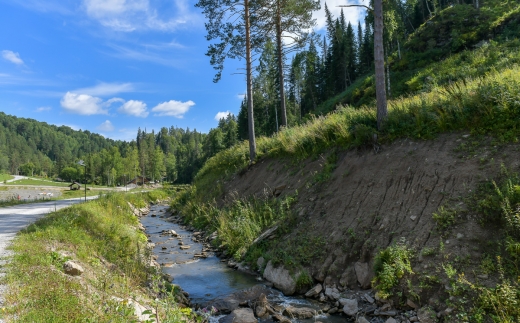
(229, 303)
(240, 315)
(299, 312)
(281, 278)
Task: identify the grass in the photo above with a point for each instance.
(5, 177)
(442, 51)
(102, 236)
(237, 224)
(486, 105)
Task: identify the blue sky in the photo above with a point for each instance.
(111, 66)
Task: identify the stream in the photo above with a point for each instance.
(201, 273)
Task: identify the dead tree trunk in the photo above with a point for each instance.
(280, 64)
(379, 61)
(250, 117)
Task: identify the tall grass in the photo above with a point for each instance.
(238, 223)
(488, 104)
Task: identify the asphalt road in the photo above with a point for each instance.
(15, 218)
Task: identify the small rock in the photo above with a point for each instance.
(369, 299)
(350, 306)
(391, 320)
(410, 303)
(332, 293)
(73, 269)
(413, 217)
(426, 315)
(280, 318)
(361, 319)
(316, 290)
(484, 276)
(261, 307)
(414, 319)
(363, 274)
(333, 310)
(240, 315)
(260, 262)
(185, 247)
(460, 236)
(299, 312)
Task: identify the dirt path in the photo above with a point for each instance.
(15, 218)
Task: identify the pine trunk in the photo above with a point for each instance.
(379, 61)
(280, 65)
(250, 117)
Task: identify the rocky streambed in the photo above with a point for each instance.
(240, 296)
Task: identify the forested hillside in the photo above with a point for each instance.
(30, 147)
(337, 68)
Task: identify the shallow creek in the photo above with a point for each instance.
(206, 278)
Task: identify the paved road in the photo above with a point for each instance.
(16, 177)
(15, 218)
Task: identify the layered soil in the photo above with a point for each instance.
(376, 198)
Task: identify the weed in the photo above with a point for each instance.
(428, 251)
(391, 264)
(304, 280)
(445, 217)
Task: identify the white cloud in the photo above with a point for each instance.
(43, 109)
(130, 15)
(106, 89)
(222, 114)
(106, 126)
(173, 108)
(59, 6)
(352, 14)
(12, 57)
(83, 104)
(134, 108)
(145, 56)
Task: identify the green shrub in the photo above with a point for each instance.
(391, 264)
(445, 217)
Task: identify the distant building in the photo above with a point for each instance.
(140, 180)
(75, 186)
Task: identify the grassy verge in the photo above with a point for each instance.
(103, 237)
(66, 195)
(5, 177)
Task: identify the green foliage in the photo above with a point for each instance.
(5, 177)
(391, 264)
(101, 231)
(486, 105)
(237, 224)
(327, 168)
(304, 280)
(445, 217)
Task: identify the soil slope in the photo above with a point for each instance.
(375, 199)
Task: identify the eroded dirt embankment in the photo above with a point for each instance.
(375, 199)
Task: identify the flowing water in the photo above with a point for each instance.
(206, 278)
